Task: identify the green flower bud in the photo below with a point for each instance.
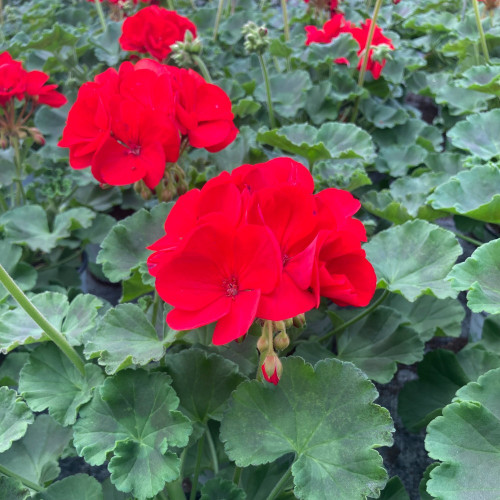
(256, 39)
(281, 341)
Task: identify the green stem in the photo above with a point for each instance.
(467, 238)
(286, 27)
(3, 203)
(268, 91)
(61, 262)
(220, 8)
(366, 56)
(481, 32)
(40, 320)
(20, 194)
(280, 484)
(100, 13)
(237, 475)
(174, 490)
(360, 316)
(170, 4)
(197, 468)
(156, 305)
(213, 451)
(203, 68)
(26, 482)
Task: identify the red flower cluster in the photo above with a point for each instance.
(337, 25)
(126, 124)
(16, 82)
(154, 30)
(258, 243)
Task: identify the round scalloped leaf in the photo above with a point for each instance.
(17, 328)
(325, 415)
(134, 414)
(23, 274)
(221, 489)
(50, 380)
(36, 456)
(12, 489)
(81, 317)
(214, 377)
(474, 193)
(15, 417)
(414, 259)
(77, 487)
(478, 133)
(378, 342)
(467, 440)
(480, 275)
(124, 248)
(482, 78)
(123, 338)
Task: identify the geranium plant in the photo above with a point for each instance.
(249, 250)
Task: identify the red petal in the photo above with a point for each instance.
(209, 133)
(179, 319)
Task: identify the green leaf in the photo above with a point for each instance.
(430, 316)
(221, 489)
(50, 380)
(7, 167)
(17, 328)
(378, 342)
(35, 456)
(394, 490)
(22, 273)
(480, 275)
(414, 259)
(482, 78)
(124, 249)
(383, 114)
(10, 368)
(123, 338)
(15, 417)
(106, 46)
(134, 414)
(477, 134)
(439, 377)
(29, 226)
(50, 121)
(77, 487)
(246, 107)
(12, 489)
(342, 174)
(213, 376)
(325, 416)
(258, 482)
(397, 160)
(422, 487)
(134, 287)
(81, 317)
(474, 193)
(467, 440)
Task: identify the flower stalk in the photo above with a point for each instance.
(26, 482)
(482, 38)
(265, 75)
(174, 489)
(199, 455)
(218, 16)
(280, 484)
(286, 26)
(40, 320)
(203, 68)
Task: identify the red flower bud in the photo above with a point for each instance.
(272, 368)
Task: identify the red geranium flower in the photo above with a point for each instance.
(12, 79)
(154, 30)
(220, 276)
(41, 93)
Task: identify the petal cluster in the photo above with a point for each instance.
(153, 30)
(258, 243)
(127, 124)
(337, 25)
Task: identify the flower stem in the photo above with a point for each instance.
(174, 489)
(481, 32)
(3, 203)
(220, 8)
(237, 475)
(20, 194)
(100, 13)
(286, 27)
(40, 320)
(366, 56)
(199, 455)
(360, 316)
(26, 482)
(280, 484)
(268, 91)
(203, 68)
(213, 451)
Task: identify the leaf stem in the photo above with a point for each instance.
(40, 320)
(366, 56)
(481, 32)
(220, 8)
(360, 316)
(174, 489)
(268, 91)
(286, 27)
(197, 468)
(3, 203)
(203, 68)
(467, 238)
(280, 484)
(26, 482)
(213, 451)
(237, 475)
(100, 13)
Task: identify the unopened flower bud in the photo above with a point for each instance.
(36, 135)
(281, 341)
(182, 52)
(299, 321)
(279, 326)
(381, 52)
(289, 323)
(262, 343)
(272, 368)
(256, 39)
(4, 143)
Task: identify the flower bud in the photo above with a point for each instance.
(182, 52)
(281, 341)
(36, 135)
(289, 323)
(381, 52)
(299, 321)
(256, 39)
(262, 343)
(272, 368)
